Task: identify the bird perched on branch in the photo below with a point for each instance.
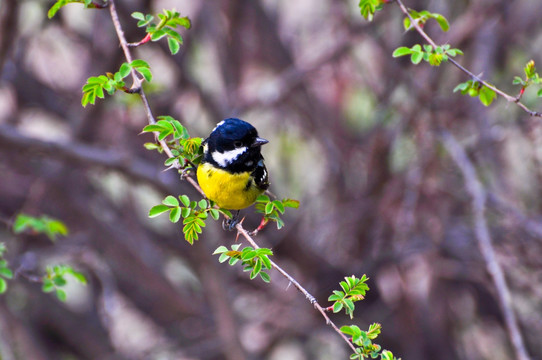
(232, 172)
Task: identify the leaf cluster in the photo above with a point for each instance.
(60, 3)
(433, 55)
(353, 289)
(39, 225)
(55, 279)
(184, 148)
(254, 260)
(193, 213)
(421, 17)
(531, 77)
(5, 271)
(169, 20)
(364, 339)
(369, 7)
(476, 89)
(109, 82)
(273, 209)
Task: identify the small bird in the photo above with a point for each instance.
(232, 172)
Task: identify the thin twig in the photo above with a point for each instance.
(479, 198)
(476, 78)
(298, 286)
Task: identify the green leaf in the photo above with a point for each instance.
(214, 213)
(416, 57)
(203, 204)
(47, 286)
(221, 249)
(487, 96)
(3, 286)
(338, 306)
(152, 128)
(175, 214)
(124, 70)
(170, 201)
(269, 208)
(279, 206)
(173, 45)
(461, 87)
(265, 276)
(402, 51)
(185, 212)
(59, 281)
(138, 15)
(247, 255)
(442, 21)
(61, 295)
(185, 200)
(59, 4)
(6, 272)
(518, 81)
(157, 35)
(157, 210)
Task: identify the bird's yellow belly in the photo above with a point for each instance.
(229, 191)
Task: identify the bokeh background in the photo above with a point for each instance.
(354, 135)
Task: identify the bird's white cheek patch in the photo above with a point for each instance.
(225, 158)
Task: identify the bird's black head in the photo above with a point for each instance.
(234, 144)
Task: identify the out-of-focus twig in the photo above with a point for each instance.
(507, 97)
(481, 230)
(80, 153)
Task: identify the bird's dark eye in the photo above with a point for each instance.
(237, 144)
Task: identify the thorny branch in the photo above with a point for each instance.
(137, 87)
(476, 78)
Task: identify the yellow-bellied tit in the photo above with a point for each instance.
(232, 172)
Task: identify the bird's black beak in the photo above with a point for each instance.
(258, 142)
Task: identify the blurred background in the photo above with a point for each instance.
(354, 135)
